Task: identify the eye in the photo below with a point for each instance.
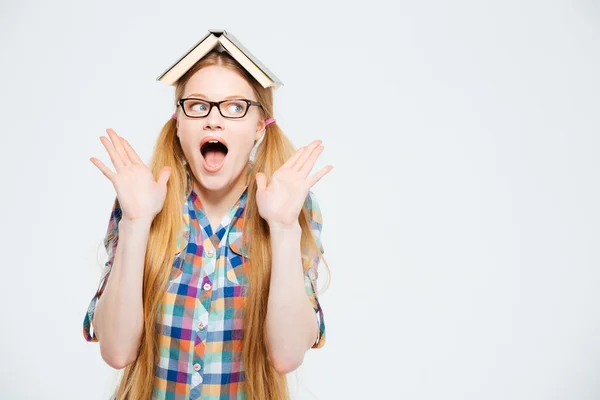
(198, 106)
(235, 107)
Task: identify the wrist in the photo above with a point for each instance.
(275, 226)
(135, 224)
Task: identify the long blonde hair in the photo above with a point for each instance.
(262, 381)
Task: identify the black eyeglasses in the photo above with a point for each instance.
(198, 108)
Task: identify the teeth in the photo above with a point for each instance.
(213, 141)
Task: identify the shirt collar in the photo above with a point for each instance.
(235, 225)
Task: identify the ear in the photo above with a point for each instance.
(260, 129)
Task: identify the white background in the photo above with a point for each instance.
(461, 219)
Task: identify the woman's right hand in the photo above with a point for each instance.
(140, 196)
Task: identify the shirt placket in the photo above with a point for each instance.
(212, 265)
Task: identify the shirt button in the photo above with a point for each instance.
(197, 367)
(206, 286)
(210, 253)
(201, 326)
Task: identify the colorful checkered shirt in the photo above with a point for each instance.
(201, 336)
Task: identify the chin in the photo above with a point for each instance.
(230, 173)
(217, 168)
(211, 181)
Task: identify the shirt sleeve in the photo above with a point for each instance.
(311, 267)
(111, 240)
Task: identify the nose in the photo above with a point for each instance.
(214, 119)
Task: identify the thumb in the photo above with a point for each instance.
(261, 182)
(164, 175)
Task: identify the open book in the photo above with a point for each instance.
(223, 41)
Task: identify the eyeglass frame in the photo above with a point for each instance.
(218, 105)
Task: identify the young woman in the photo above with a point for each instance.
(211, 290)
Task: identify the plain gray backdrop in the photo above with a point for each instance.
(461, 219)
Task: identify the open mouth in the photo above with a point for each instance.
(213, 152)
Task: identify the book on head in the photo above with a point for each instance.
(222, 41)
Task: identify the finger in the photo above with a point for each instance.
(103, 168)
(164, 175)
(261, 182)
(133, 155)
(116, 139)
(318, 175)
(112, 153)
(289, 163)
(304, 156)
(310, 162)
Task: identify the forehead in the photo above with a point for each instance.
(217, 83)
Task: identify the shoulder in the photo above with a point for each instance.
(112, 230)
(314, 210)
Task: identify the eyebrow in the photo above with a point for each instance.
(235, 96)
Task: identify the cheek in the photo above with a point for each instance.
(190, 152)
(244, 140)
(186, 138)
(247, 146)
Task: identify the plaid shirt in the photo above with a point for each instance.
(202, 309)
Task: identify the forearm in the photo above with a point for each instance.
(118, 319)
(290, 327)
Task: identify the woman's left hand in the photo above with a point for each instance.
(280, 202)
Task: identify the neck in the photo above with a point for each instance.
(216, 203)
